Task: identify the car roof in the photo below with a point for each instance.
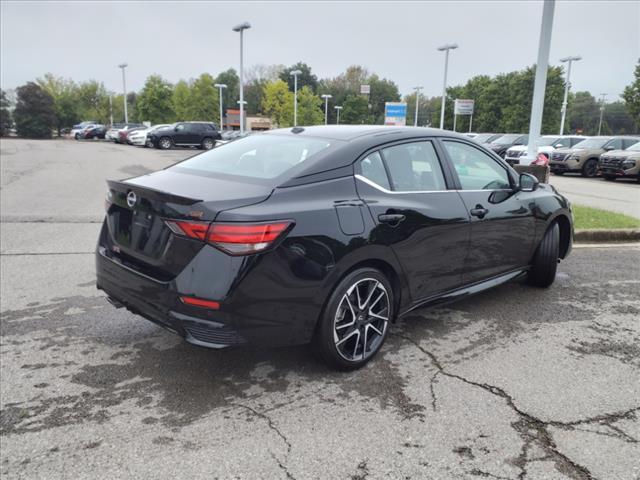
(349, 133)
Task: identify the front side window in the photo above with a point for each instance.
(372, 169)
(180, 127)
(613, 144)
(414, 167)
(476, 170)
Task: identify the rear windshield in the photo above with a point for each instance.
(257, 156)
(485, 137)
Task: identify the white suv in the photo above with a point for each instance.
(548, 143)
(139, 137)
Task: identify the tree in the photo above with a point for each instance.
(64, 93)
(382, 91)
(309, 107)
(35, 114)
(583, 113)
(154, 101)
(204, 99)
(232, 92)
(617, 121)
(355, 110)
(180, 100)
(631, 96)
(305, 79)
(93, 101)
(6, 121)
(278, 103)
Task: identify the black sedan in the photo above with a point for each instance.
(503, 143)
(324, 235)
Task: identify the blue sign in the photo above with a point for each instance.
(395, 110)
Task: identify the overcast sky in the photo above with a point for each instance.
(397, 40)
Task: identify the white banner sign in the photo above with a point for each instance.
(463, 107)
(365, 89)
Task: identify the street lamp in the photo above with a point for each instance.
(604, 96)
(417, 89)
(241, 28)
(295, 74)
(124, 89)
(110, 109)
(445, 49)
(326, 97)
(338, 108)
(220, 87)
(566, 88)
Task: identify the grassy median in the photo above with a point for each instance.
(590, 218)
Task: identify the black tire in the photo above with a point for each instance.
(336, 340)
(590, 168)
(610, 178)
(207, 143)
(77, 136)
(545, 260)
(165, 143)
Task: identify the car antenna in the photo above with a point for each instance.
(297, 130)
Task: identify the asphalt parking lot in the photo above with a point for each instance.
(514, 383)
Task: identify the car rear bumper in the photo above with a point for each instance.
(253, 309)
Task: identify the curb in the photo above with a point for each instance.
(602, 235)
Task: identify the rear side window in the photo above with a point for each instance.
(373, 169)
(414, 167)
(256, 156)
(627, 142)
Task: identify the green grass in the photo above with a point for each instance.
(587, 217)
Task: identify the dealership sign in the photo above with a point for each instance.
(395, 113)
(463, 107)
(365, 89)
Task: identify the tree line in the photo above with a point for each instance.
(502, 102)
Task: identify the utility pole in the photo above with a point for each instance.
(569, 61)
(603, 96)
(540, 83)
(124, 89)
(445, 49)
(417, 89)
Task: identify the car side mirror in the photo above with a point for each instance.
(528, 183)
(608, 148)
(559, 145)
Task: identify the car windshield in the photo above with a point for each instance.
(591, 143)
(546, 141)
(256, 156)
(634, 148)
(507, 139)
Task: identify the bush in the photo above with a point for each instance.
(5, 115)
(34, 115)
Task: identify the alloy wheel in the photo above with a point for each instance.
(207, 144)
(360, 322)
(591, 168)
(165, 143)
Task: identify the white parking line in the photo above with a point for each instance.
(633, 245)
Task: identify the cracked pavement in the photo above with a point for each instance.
(514, 383)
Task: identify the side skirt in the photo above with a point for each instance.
(466, 291)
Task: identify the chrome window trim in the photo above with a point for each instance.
(393, 192)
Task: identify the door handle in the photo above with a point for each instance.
(391, 218)
(479, 211)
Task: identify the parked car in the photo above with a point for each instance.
(75, 131)
(324, 234)
(139, 137)
(621, 163)
(232, 135)
(186, 134)
(503, 143)
(120, 136)
(487, 137)
(112, 133)
(583, 157)
(94, 131)
(548, 143)
(123, 134)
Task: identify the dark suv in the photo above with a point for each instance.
(186, 134)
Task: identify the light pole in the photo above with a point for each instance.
(568, 60)
(417, 89)
(338, 108)
(110, 109)
(220, 87)
(445, 49)
(540, 82)
(124, 89)
(326, 97)
(603, 95)
(295, 74)
(241, 28)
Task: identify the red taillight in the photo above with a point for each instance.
(200, 302)
(233, 238)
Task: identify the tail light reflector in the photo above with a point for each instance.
(200, 302)
(233, 238)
